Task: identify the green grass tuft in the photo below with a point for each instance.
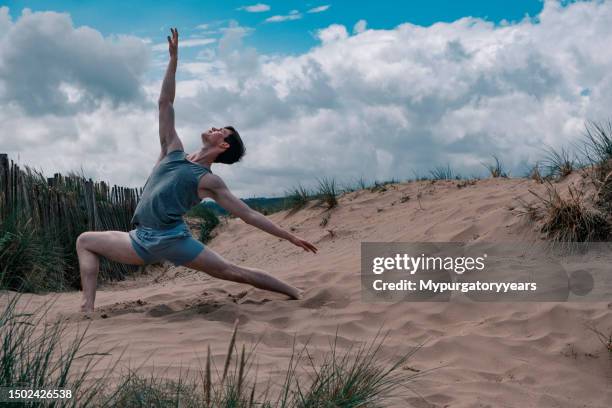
(496, 170)
(559, 163)
(598, 153)
(357, 377)
(598, 142)
(298, 197)
(208, 222)
(327, 193)
(442, 173)
(569, 219)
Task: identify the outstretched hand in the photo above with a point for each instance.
(173, 43)
(302, 243)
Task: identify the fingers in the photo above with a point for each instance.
(174, 39)
(308, 246)
(305, 245)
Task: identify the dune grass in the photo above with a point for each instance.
(361, 184)
(31, 356)
(353, 378)
(577, 216)
(496, 169)
(382, 186)
(598, 141)
(569, 219)
(35, 354)
(535, 173)
(298, 197)
(327, 192)
(208, 221)
(559, 163)
(30, 260)
(598, 153)
(442, 173)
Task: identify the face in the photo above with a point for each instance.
(215, 136)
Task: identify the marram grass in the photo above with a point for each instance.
(36, 354)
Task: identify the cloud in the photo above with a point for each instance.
(360, 27)
(255, 8)
(410, 98)
(319, 9)
(334, 32)
(188, 43)
(378, 104)
(293, 15)
(41, 52)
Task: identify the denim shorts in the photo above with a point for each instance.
(176, 244)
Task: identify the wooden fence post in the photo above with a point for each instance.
(4, 185)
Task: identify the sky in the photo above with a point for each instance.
(348, 90)
(151, 18)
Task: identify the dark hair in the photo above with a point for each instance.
(235, 151)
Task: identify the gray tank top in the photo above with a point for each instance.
(170, 191)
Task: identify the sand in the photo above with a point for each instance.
(481, 355)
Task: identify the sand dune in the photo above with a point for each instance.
(484, 355)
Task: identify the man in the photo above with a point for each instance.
(178, 182)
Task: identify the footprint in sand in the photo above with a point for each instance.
(160, 310)
(325, 297)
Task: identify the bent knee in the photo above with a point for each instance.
(85, 239)
(82, 240)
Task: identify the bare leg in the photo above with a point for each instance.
(213, 264)
(113, 245)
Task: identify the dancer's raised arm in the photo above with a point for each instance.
(167, 134)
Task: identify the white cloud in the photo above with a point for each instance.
(293, 15)
(360, 27)
(334, 32)
(319, 9)
(255, 8)
(5, 20)
(41, 52)
(398, 100)
(188, 43)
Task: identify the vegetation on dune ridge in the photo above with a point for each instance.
(577, 216)
(298, 197)
(31, 357)
(497, 169)
(570, 219)
(327, 193)
(559, 163)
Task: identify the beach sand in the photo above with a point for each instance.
(480, 354)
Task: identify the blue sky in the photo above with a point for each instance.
(151, 18)
(416, 85)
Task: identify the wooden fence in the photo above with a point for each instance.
(62, 207)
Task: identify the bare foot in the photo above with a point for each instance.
(86, 307)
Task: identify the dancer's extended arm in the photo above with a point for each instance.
(168, 137)
(224, 197)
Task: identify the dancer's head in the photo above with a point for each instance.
(227, 142)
